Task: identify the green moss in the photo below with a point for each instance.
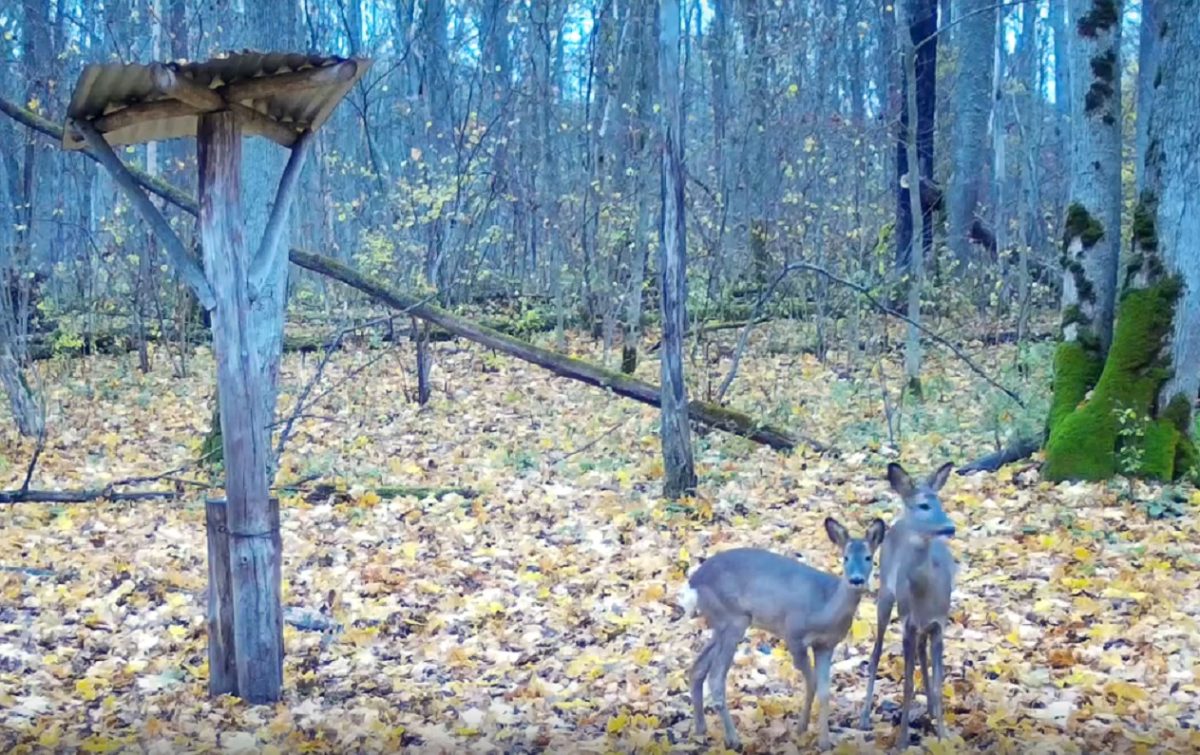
(1084, 444)
(1076, 370)
(1081, 223)
(1104, 67)
(1104, 15)
(1073, 315)
(1097, 95)
(1179, 413)
(1145, 235)
(1158, 444)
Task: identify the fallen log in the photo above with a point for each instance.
(647, 393)
(1021, 449)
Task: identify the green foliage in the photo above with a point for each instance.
(1170, 503)
(1112, 431)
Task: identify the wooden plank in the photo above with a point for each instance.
(261, 266)
(222, 667)
(252, 527)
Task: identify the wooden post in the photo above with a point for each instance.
(254, 551)
(222, 669)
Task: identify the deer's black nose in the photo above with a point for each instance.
(947, 531)
(857, 581)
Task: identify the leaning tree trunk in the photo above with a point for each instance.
(679, 472)
(1091, 237)
(1138, 419)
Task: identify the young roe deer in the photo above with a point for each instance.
(807, 608)
(916, 574)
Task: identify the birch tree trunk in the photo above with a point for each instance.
(679, 473)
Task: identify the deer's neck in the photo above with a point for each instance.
(840, 608)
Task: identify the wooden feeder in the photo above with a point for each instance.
(285, 98)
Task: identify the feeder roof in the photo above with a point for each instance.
(278, 95)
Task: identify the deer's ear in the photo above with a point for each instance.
(837, 533)
(875, 534)
(899, 480)
(938, 478)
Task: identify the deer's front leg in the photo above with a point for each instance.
(802, 664)
(823, 656)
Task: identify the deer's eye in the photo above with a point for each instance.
(924, 507)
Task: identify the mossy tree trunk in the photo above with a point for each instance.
(1173, 143)
(1091, 236)
(1138, 418)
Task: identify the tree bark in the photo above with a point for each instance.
(1172, 147)
(679, 472)
(911, 190)
(921, 27)
(971, 105)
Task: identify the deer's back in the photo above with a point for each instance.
(765, 588)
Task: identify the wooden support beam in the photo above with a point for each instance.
(254, 550)
(309, 78)
(222, 666)
(134, 114)
(185, 90)
(185, 264)
(261, 265)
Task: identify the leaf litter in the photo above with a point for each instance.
(538, 615)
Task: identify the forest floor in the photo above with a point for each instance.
(536, 615)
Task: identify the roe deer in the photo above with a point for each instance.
(807, 608)
(916, 573)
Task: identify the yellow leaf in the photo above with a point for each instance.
(49, 738)
(86, 688)
(860, 630)
(684, 557)
(793, 90)
(97, 743)
(1125, 691)
(617, 724)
